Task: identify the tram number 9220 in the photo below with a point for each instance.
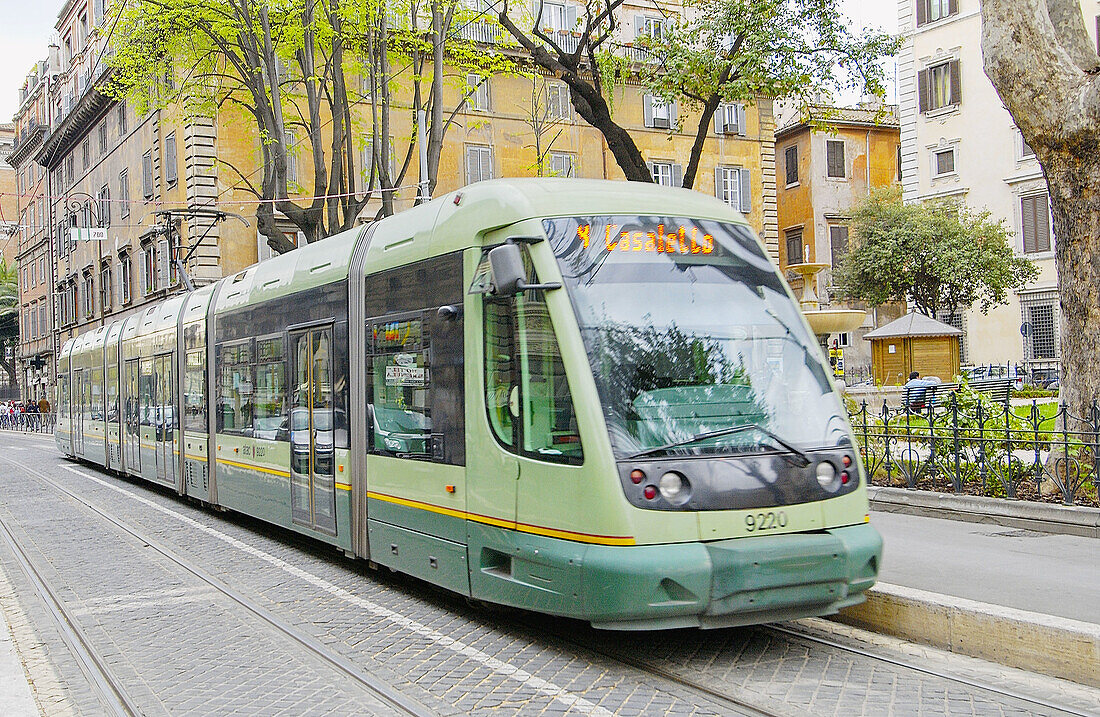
(765, 521)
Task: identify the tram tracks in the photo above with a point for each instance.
(106, 683)
(986, 686)
(733, 698)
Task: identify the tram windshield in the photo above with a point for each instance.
(689, 330)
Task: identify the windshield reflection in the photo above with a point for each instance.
(684, 342)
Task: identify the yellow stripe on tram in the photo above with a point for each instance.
(522, 527)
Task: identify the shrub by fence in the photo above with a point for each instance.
(967, 443)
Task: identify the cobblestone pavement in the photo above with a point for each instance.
(184, 648)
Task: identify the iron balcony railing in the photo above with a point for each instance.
(968, 444)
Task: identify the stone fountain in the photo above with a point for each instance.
(823, 321)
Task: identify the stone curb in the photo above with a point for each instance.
(1041, 517)
(1055, 646)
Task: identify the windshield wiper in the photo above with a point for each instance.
(803, 459)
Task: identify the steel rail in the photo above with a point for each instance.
(374, 684)
(897, 662)
(106, 685)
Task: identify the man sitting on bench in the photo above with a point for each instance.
(916, 390)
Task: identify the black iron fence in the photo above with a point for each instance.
(969, 444)
(27, 422)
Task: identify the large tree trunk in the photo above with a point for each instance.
(1042, 63)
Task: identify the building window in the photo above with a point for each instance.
(1026, 152)
(729, 118)
(732, 186)
(105, 289)
(562, 164)
(124, 194)
(790, 161)
(104, 208)
(843, 339)
(170, 158)
(558, 105)
(70, 169)
(794, 246)
(939, 86)
(834, 158)
(649, 26)
(103, 137)
(147, 174)
(838, 243)
(933, 10)
(479, 163)
(943, 162)
(121, 120)
(658, 113)
(125, 272)
(290, 142)
(1035, 223)
(1040, 315)
(553, 16)
(478, 99)
(86, 154)
(667, 174)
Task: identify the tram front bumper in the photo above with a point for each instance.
(739, 581)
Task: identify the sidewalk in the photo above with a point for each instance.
(1012, 595)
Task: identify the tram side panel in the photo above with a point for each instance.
(280, 411)
(415, 393)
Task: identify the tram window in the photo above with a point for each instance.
(194, 391)
(499, 352)
(235, 389)
(97, 394)
(401, 389)
(525, 377)
(112, 393)
(145, 390)
(270, 391)
(62, 395)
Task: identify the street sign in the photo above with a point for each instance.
(88, 234)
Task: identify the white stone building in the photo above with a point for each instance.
(958, 140)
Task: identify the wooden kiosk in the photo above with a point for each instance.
(914, 342)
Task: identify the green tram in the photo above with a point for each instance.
(584, 398)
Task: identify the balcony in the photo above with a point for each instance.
(483, 32)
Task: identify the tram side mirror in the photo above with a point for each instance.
(506, 262)
(509, 274)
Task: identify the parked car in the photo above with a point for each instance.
(990, 371)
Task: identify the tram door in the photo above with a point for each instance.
(164, 418)
(80, 390)
(312, 482)
(131, 418)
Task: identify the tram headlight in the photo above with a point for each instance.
(674, 487)
(826, 476)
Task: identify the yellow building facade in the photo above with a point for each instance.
(829, 160)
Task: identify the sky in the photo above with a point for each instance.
(28, 24)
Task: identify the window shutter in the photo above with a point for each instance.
(718, 183)
(650, 166)
(672, 114)
(720, 119)
(163, 263)
(741, 119)
(922, 12)
(639, 25)
(677, 175)
(118, 284)
(570, 17)
(1042, 223)
(746, 191)
(647, 110)
(1027, 223)
(953, 7)
(143, 280)
(956, 83)
(923, 90)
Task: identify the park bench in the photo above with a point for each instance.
(998, 389)
(918, 398)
